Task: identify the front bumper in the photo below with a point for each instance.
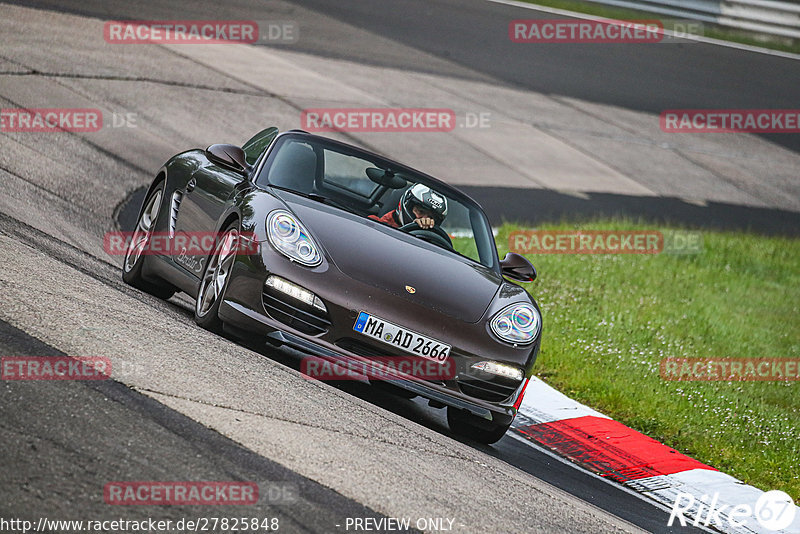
(242, 318)
(246, 308)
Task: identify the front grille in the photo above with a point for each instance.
(477, 384)
(365, 350)
(487, 386)
(360, 348)
(290, 312)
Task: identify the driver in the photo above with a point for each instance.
(419, 204)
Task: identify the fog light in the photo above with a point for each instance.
(293, 290)
(499, 369)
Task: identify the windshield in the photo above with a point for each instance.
(373, 187)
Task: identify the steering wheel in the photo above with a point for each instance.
(434, 235)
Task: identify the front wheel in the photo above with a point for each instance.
(215, 280)
(475, 428)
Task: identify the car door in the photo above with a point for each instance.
(204, 201)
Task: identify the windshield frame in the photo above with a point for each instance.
(259, 179)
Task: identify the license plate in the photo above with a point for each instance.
(401, 338)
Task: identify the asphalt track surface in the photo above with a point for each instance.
(535, 206)
(456, 31)
(640, 77)
(473, 34)
(92, 432)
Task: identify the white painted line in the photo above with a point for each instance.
(698, 38)
(544, 404)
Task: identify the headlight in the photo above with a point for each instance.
(291, 239)
(518, 323)
(500, 369)
(293, 290)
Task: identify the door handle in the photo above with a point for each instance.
(191, 185)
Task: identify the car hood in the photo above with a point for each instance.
(388, 260)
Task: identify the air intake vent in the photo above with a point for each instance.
(177, 198)
(486, 386)
(360, 348)
(366, 350)
(293, 313)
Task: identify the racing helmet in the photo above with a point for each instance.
(424, 196)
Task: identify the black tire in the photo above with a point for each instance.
(475, 428)
(134, 260)
(206, 309)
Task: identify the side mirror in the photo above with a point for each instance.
(230, 156)
(517, 268)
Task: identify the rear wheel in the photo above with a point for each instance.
(474, 427)
(136, 254)
(215, 280)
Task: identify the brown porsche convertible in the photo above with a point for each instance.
(349, 257)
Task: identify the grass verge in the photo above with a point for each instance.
(610, 319)
(712, 31)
